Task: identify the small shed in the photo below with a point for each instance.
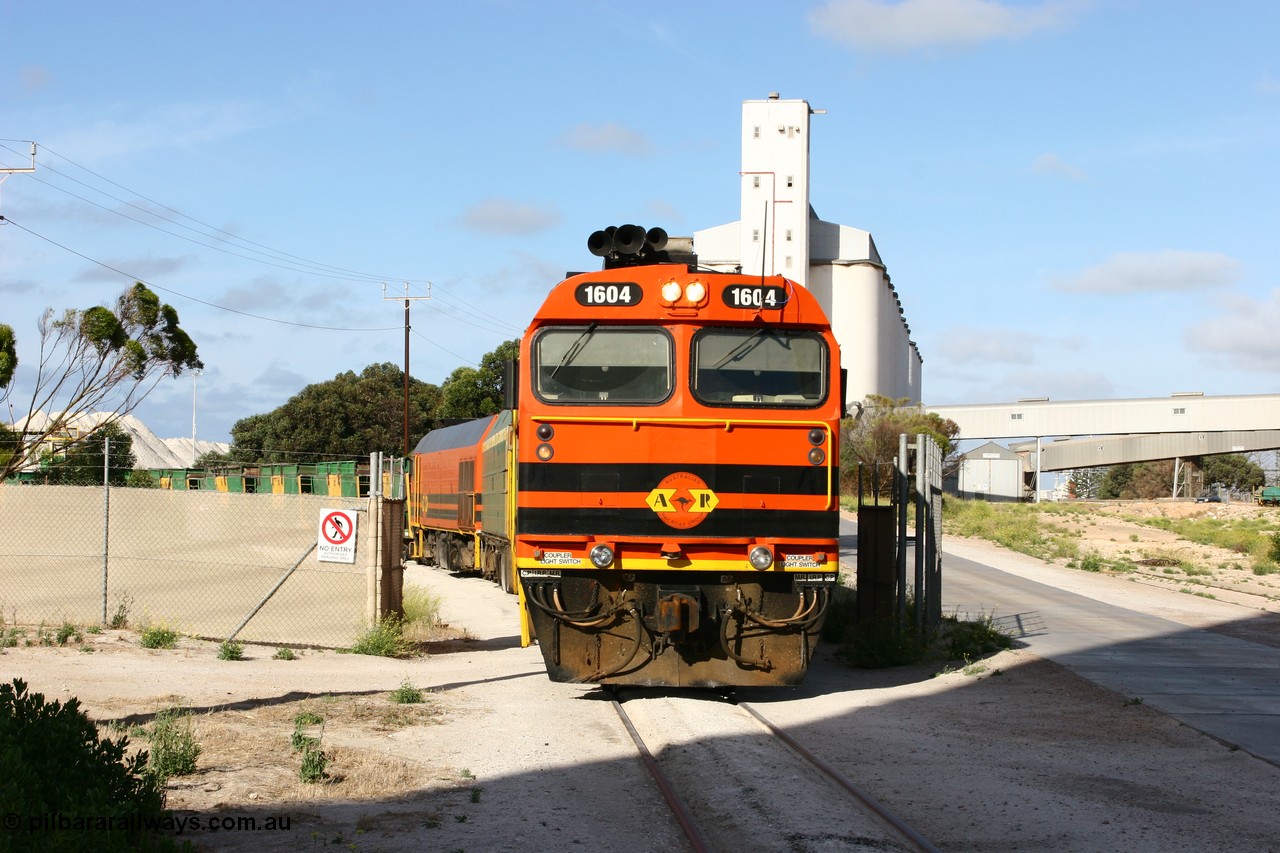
(992, 473)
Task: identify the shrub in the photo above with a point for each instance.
(173, 745)
(55, 764)
(231, 650)
(284, 653)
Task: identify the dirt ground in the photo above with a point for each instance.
(1011, 754)
(1166, 560)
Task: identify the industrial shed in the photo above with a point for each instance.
(989, 472)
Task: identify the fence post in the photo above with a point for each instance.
(904, 496)
(106, 517)
(372, 612)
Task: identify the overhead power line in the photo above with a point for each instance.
(155, 286)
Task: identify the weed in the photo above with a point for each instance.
(1092, 562)
(173, 745)
(120, 619)
(1136, 700)
(300, 740)
(314, 762)
(385, 639)
(406, 694)
(231, 650)
(68, 632)
(159, 637)
(93, 629)
(973, 668)
(284, 654)
(475, 794)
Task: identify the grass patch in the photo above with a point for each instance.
(421, 623)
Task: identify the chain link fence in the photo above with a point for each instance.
(199, 562)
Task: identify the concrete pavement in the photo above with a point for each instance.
(1145, 644)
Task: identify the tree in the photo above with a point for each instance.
(81, 464)
(474, 393)
(872, 437)
(1234, 471)
(347, 417)
(95, 360)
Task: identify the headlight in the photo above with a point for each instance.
(695, 292)
(544, 452)
(671, 291)
(817, 456)
(602, 556)
(760, 558)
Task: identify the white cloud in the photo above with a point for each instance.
(505, 216)
(1165, 271)
(899, 27)
(1244, 333)
(606, 138)
(140, 269)
(968, 345)
(1268, 85)
(34, 77)
(171, 125)
(1052, 164)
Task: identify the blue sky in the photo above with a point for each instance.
(1074, 199)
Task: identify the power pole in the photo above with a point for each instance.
(5, 172)
(407, 299)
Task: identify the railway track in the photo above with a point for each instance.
(735, 781)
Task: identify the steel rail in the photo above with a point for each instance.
(677, 806)
(896, 823)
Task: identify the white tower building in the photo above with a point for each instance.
(779, 234)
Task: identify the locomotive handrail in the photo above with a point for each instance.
(728, 423)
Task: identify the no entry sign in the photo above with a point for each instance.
(336, 542)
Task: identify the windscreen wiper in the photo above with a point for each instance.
(574, 349)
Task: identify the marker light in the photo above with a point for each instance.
(816, 436)
(817, 456)
(545, 452)
(545, 431)
(760, 558)
(602, 556)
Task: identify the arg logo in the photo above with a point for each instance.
(682, 500)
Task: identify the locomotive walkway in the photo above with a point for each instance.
(1146, 644)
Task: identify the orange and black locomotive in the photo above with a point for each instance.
(663, 491)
